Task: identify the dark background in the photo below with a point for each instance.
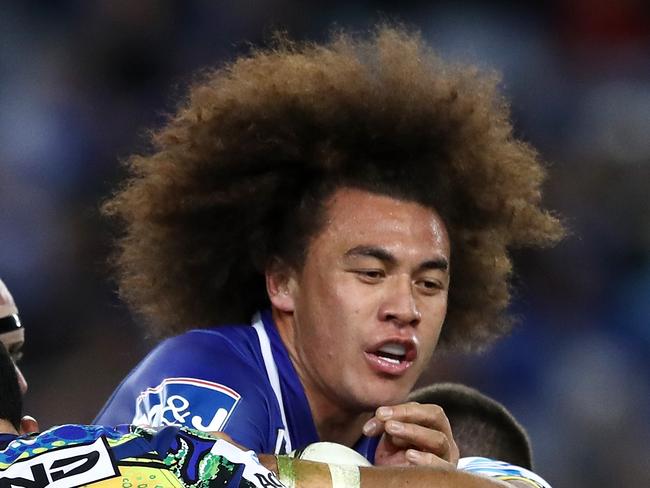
(81, 81)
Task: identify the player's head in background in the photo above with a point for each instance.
(12, 333)
(481, 425)
(240, 177)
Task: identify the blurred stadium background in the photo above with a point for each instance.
(80, 82)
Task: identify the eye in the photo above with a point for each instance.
(429, 286)
(370, 275)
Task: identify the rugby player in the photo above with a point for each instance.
(350, 197)
(74, 455)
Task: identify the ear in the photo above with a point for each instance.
(28, 425)
(280, 284)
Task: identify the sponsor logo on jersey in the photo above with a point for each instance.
(195, 403)
(62, 468)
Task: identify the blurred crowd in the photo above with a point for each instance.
(81, 82)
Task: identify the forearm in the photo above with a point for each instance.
(309, 474)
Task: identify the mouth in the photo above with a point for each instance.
(392, 357)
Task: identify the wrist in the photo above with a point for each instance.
(286, 470)
(295, 473)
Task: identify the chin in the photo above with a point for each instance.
(392, 396)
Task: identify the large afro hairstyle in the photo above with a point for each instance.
(239, 176)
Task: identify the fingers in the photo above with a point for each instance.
(412, 425)
(419, 458)
(28, 425)
(373, 427)
(428, 415)
(404, 435)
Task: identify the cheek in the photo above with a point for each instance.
(429, 336)
(339, 315)
(339, 294)
(436, 313)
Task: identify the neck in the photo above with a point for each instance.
(7, 427)
(334, 422)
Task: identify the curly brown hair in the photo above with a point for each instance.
(239, 175)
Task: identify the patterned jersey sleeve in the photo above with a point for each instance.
(501, 470)
(201, 380)
(198, 459)
(250, 470)
(101, 457)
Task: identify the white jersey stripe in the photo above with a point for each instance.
(271, 372)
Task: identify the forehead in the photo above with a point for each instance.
(360, 217)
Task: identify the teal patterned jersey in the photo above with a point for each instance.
(127, 457)
(502, 471)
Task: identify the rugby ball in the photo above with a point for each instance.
(330, 453)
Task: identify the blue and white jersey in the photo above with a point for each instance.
(235, 379)
(501, 470)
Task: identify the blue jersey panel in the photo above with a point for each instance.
(210, 380)
(235, 379)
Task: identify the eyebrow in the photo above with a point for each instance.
(440, 263)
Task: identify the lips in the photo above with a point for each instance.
(392, 356)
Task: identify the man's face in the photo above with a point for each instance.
(369, 303)
(13, 342)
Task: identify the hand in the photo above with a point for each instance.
(413, 435)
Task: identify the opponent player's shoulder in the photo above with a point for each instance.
(514, 475)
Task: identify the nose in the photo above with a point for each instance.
(399, 305)
(22, 382)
